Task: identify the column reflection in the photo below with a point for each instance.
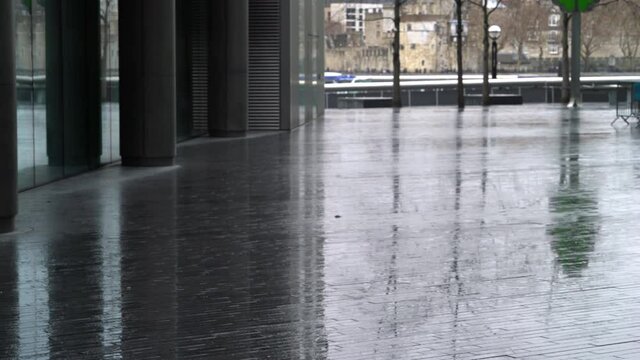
(213, 256)
(33, 294)
(9, 300)
(389, 322)
(111, 256)
(74, 266)
(148, 268)
(308, 192)
(455, 289)
(250, 275)
(574, 207)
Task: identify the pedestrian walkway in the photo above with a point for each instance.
(503, 233)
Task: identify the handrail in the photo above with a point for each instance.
(422, 84)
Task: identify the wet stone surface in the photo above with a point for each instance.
(428, 234)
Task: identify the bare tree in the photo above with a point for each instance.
(521, 23)
(628, 32)
(397, 19)
(459, 33)
(105, 13)
(566, 64)
(596, 31)
(487, 7)
(566, 86)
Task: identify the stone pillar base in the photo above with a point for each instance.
(7, 225)
(148, 162)
(228, 134)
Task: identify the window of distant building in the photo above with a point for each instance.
(554, 49)
(554, 20)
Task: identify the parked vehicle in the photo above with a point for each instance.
(336, 77)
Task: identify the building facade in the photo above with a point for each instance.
(427, 43)
(352, 16)
(531, 38)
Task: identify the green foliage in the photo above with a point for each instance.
(575, 229)
(29, 4)
(570, 5)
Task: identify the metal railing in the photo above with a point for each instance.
(444, 92)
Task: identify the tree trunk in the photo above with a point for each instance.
(459, 30)
(104, 86)
(520, 52)
(103, 65)
(540, 59)
(397, 95)
(566, 92)
(586, 61)
(485, 57)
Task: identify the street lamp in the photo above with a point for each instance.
(494, 34)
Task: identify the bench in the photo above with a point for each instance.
(364, 102)
(495, 99)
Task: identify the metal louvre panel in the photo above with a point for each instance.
(264, 64)
(199, 37)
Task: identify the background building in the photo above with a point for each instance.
(426, 40)
(530, 42)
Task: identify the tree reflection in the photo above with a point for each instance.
(574, 208)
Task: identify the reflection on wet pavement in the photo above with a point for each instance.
(426, 233)
(576, 222)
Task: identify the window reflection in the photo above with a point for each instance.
(110, 81)
(58, 133)
(25, 91)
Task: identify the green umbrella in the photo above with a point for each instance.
(570, 5)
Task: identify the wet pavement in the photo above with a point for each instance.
(424, 234)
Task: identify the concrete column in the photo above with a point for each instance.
(147, 82)
(184, 113)
(8, 129)
(319, 33)
(288, 65)
(228, 72)
(73, 85)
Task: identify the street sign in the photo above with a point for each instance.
(570, 5)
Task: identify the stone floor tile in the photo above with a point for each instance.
(506, 232)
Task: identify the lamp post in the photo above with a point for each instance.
(494, 34)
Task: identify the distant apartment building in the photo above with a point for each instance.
(351, 15)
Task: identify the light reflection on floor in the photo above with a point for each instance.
(505, 233)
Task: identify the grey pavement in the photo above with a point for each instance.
(507, 233)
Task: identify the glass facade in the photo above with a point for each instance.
(307, 61)
(58, 130)
(109, 81)
(68, 80)
(31, 89)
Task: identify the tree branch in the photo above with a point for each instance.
(495, 8)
